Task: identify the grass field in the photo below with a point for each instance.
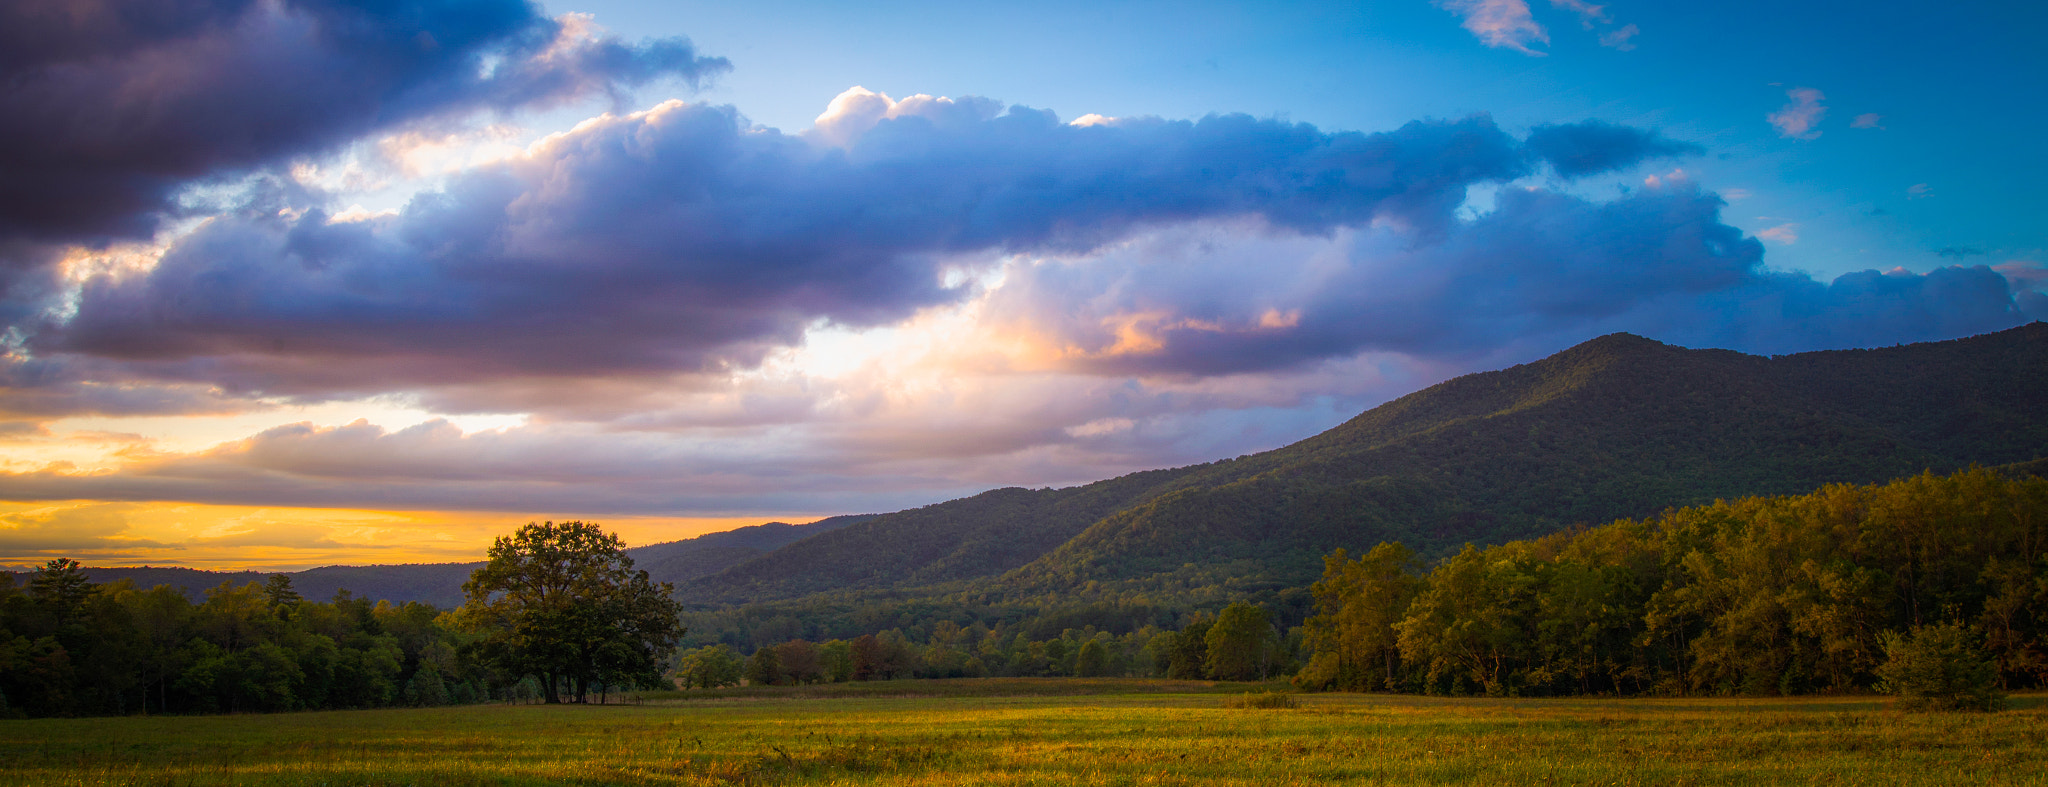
(1040, 732)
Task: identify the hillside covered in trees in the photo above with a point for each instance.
(1761, 595)
(1617, 427)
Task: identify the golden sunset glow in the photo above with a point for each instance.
(223, 537)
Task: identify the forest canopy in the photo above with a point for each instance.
(1765, 595)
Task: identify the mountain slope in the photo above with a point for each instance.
(1616, 427)
(980, 536)
(1620, 426)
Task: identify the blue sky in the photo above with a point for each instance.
(297, 282)
(1951, 87)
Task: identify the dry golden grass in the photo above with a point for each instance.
(1111, 739)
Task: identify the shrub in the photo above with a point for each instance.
(1939, 667)
(1270, 699)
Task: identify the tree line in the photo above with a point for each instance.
(1847, 589)
(557, 612)
(1766, 595)
(72, 647)
(1239, 643)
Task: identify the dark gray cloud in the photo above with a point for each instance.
(1790, 312)
(108, 108)
(1592, 147)
(683, 240)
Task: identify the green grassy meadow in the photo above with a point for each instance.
(1041, 732)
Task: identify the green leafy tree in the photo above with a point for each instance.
(1238, 643)
(1939, 667)
(709, 667)
(1092, 660)
(1190, 654)
(837, 659)
(562, 602)
(1471, 621)
(1359, 601)
(764, 668)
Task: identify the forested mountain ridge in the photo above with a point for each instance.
(1619, 426)
(969, 538)
(1616, 427)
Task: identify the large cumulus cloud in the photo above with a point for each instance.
(684, 240)
(1096, 297)
(1541, 271)
(109, 107)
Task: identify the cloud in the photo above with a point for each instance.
(1958, 252)
(1787, 233)
(434, 466)
(1191, 301)
(69, 526)
(1005, 299)
(2030, 280)
(683, 241)
(1919, 190)
(1194, 302)
(1588, 13)
(108, 110)
(1593, 147)
(1502, 24)
(1800, 118)
(1785, 312)
(1622, 38)
(1868, 120)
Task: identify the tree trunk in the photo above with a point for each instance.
(547, 682)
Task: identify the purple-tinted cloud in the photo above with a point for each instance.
(436, 466)
(1504, 24)
(1800, 119)
(1593, 147)
(682, 240)
(107, 108)
(1659, 262)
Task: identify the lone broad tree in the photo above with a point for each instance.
(561, 602)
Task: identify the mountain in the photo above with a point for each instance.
(1619, 426)
(440, 584)
(682, 561)
(962, 539)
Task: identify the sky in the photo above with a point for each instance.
(288, 283)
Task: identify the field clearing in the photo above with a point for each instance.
(1028, 732)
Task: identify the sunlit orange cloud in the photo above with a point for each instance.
(223, 537)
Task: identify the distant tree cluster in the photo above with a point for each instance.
(1932, 588)
(557, 610)
(1241, 643)
(71, 647)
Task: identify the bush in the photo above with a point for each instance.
(1270, 699)
(1939, 667)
